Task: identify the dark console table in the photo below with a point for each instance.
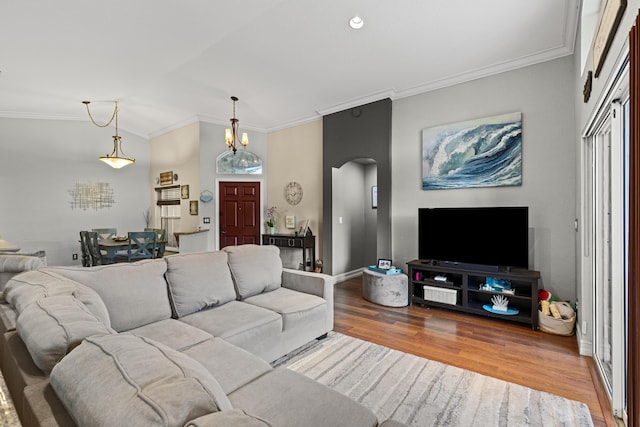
(306, 243)
(459, 288)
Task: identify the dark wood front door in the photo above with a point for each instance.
(239, 213)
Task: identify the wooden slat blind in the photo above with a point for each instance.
(168, 195)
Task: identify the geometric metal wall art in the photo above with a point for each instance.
(91, 195)
(477, 153)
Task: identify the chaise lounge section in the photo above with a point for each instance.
(182, 340)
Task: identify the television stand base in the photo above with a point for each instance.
(464, 289)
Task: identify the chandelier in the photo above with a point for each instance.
(231, 135)
(117, 159)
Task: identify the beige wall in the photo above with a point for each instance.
(295, 154)
(177, 151)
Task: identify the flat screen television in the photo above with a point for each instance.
(494, 236)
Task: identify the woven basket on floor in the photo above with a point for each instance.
(555, 326)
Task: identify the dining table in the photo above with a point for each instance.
(113, 246)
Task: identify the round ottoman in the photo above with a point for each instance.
(391, 290)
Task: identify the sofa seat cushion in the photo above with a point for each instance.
(304, 316)
(123, 379)
(255, 269)
(289, 399)
(294, 307)
(31, 286)
(233, 417)
(172, 333)
(250, 327)
(53, 326)
(232, 366)
(198, 281)
(126, 288)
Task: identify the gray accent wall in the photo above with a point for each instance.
(360, 132)
(545, 94)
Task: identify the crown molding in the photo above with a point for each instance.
(488, 71)
(357, 102)
(295, 123)
(37, 116)
(40, 116)
(175, 126)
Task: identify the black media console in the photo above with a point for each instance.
(457, 286)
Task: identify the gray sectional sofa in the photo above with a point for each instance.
(184, 340)
(13, 263)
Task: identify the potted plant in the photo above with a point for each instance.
(271, 220)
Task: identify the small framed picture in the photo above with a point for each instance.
(184, 191)
(384, 264)
(193, 207)
(303, 228)
(166, 178)
(290, 221)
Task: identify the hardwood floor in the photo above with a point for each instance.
(511, 352)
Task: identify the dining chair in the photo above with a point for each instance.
(142, 245)
(162, 237)
(96, 256)
(106, 233)
(84, 248)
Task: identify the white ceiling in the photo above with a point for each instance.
(169, 63)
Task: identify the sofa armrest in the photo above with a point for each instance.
(317, 284)
(310, 283)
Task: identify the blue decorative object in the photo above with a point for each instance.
(392, 270)
(510, 311)
(477, 153)
(498, 284)
(206, 196)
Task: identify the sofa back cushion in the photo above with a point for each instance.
(53, 326)
(134, 293)
(12, 264)
(255, 269)
(31, 286)
(127, 380)
(198, 280)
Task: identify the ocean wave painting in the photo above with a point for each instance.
(477, 153)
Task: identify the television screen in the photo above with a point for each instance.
(496, 236)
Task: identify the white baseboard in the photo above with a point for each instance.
(585, 345)
(348, 275)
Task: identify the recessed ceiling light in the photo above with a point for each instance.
(356, 22)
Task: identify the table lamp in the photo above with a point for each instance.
(6, 246)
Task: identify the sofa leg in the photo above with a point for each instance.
(321, 337)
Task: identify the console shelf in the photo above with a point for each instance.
(458, 288)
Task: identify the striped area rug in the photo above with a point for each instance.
(421, 392)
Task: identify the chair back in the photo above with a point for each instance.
(161, 232)
(142, 245)
(84, 248)
(106, 233)
(89, 239)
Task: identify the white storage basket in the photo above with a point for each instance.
(436, 294)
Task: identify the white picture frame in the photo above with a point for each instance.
(290, 221)
(303, 229)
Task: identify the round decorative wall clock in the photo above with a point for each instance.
(293, 193)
